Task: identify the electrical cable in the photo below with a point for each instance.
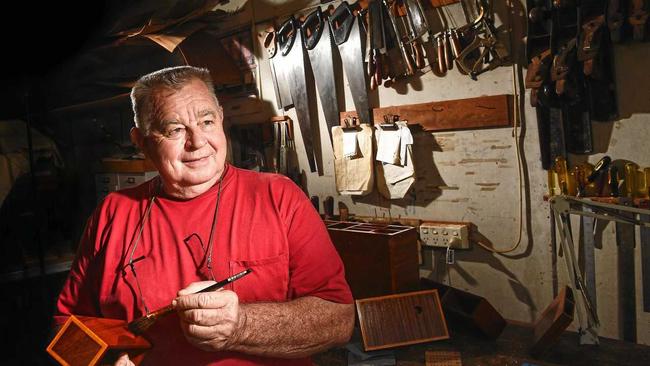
(515, 133)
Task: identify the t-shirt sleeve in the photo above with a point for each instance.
(315, 267)
(79, 295)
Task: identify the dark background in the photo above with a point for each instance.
(37, 38)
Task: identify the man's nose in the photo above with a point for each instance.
(195, 138)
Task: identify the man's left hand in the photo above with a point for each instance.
(210, 320)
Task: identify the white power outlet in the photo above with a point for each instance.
(445, 235)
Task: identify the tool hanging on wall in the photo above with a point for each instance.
(460, 37)
(318, 42)
(350, 39)
(638, 18)
(270, 44)
(293, 52)
(407, 59)
(570, 74)
(394, 65)
(283, 143)
(418, 28)
(377, 60)
(491, 52)
(278, 69)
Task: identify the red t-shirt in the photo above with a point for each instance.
(264, 222)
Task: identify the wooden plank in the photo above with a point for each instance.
(398, 320)
(471, 113)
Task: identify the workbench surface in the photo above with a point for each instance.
(511, 348)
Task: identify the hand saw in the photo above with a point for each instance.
(291, 47)
(318, 42)
(348, 37)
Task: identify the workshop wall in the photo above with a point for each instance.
(472, 175)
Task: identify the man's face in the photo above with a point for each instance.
(186, 141)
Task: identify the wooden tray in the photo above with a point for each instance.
(403, 319)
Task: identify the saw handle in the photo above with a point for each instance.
(449, 57)
(379, 67)
(312, 28)
(375, 69)
(341, 22)
(270, 42)
(286, 35)
(441, 70)
(418, 54)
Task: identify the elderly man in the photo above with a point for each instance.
(204, 220)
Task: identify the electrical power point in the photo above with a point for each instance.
(445, 235)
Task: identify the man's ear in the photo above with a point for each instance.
(137, 138)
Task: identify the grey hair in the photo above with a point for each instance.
(174, 78)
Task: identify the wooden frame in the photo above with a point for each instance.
(402, 319)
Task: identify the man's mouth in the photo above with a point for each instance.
(195, 160)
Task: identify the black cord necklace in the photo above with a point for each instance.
(146, 216)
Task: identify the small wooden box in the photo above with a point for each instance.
(469, 310)
(557, 316)
(403, 319)
(379, 259)
(84, 340)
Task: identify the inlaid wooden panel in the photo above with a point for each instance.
(442, 358)
(76, 347)
(89, 341)
(398, 320)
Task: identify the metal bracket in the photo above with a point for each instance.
(563, 207)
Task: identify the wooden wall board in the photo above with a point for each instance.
(470, 113)
(403, 319)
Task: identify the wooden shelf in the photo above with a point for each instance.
(471, 113)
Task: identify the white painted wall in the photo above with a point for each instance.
(453, 167)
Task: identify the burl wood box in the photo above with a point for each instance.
(379, 259)
(84, 340)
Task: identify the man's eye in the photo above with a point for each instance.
(174, 132)
(208, 122)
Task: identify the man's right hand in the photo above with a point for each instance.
(211, 321)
